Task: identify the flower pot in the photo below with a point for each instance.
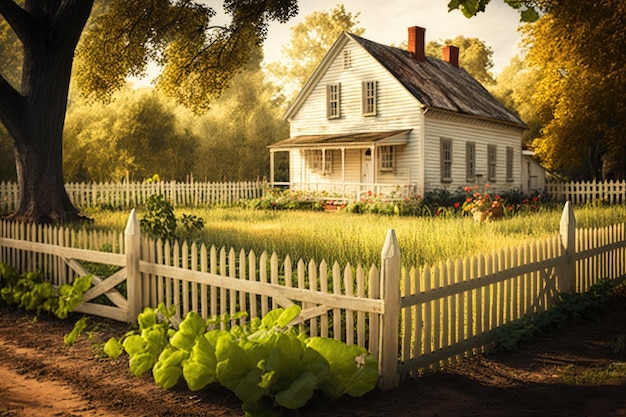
(479, 216)
(497, 211)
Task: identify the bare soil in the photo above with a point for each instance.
(41, 377)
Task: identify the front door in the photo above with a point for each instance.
(366, 166)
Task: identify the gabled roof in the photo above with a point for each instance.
(435, 83)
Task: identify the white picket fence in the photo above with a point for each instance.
(609, 192)
(412, 319)
(127, 195)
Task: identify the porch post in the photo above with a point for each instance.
(343, 172)
(374, 166)
(272, 167)
(390, 275)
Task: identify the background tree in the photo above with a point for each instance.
(139, 133)
(514, 88)
(578, 47)
(239, 127)
(310, 41)
(474, 56)
(199, 59)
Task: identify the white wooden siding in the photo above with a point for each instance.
(533, 175)
(396, 109)
(462, 130)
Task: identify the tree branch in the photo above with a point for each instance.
(10, 106)
(16, 17)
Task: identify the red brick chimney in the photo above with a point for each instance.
(416, 43)
(451, 55)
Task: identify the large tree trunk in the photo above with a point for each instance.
(35, 118)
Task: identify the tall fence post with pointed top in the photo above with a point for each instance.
(132, 240)
(567, 230)
(390, 288)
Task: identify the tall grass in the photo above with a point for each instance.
(358, 239)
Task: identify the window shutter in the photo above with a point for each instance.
(328, 94)
(364, 97)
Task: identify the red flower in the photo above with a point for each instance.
(456, 205)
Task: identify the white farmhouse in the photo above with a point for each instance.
(381, 119)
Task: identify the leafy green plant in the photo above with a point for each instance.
(265, 362)
(191, 223)
(30, 292)
(159, 220)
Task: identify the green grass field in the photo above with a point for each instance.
(358, 239)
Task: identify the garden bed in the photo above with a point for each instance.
(575, 370)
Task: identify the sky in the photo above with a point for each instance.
(386, 22)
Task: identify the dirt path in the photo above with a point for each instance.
(573, 371)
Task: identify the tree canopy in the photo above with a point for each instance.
(579, 50)
(529, 10)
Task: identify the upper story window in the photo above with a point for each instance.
(446, 160)
(347, 59)
(492, 162)
(333, 101)
(369, 97)
(470, 161)
(386, 158)
(509, 163)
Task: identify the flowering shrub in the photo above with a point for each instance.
(483, 204)
(438, 203)
(277, 199)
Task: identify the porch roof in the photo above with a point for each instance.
(345, 140)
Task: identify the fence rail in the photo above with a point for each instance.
(611, 192)
(410, 318)
(127, 195)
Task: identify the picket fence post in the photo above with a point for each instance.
(567, 230)
(132, 240)
(390, 286)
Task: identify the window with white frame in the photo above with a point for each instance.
(333, 101)
(320, 161)
(369, 97)
(446, 160)
(386, 158)
(470, 161)
(347, 59)
(492, 162)
(509, 163)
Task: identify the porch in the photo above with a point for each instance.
(347, 167)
